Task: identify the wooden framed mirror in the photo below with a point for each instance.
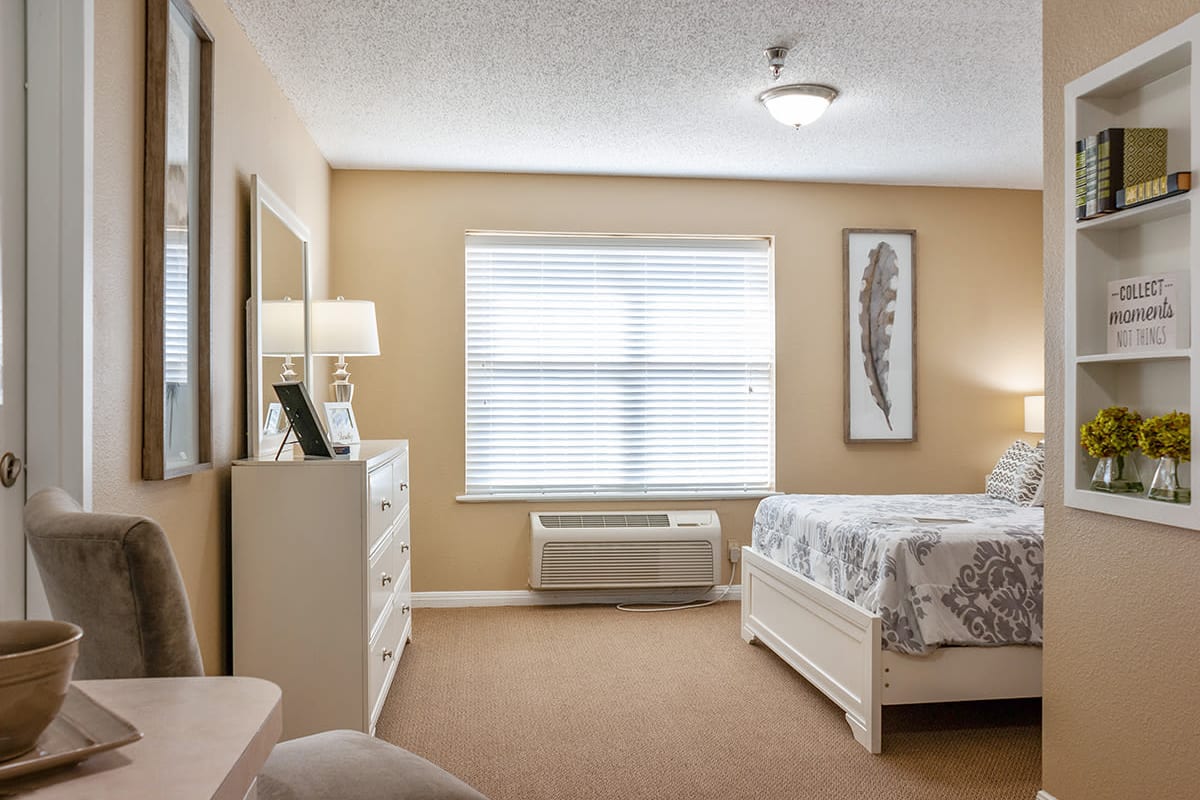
(277, 313)
(176, 321)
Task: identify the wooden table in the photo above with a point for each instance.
(205, 738)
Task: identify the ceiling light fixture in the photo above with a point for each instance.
(795, 104)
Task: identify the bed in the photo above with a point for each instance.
(898, 599)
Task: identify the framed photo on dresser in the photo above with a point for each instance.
(341, 424)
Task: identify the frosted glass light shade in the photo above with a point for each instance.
(282, 324)
(797, 104)
(1035, 414)
(344, 328)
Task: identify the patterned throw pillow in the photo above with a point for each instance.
(1007, 481)
(1033, 482)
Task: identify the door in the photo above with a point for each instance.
(12, 307)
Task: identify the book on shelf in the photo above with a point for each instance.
(1091, 205)
(1113, 159)
(1159, 188)
(1148, 313)
(1110, 162)
(1144, 156)
(1080, 179)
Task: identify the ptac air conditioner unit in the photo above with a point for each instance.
(625, 550)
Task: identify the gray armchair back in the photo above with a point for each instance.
(113, 575)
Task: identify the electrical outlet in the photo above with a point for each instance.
(735, 552)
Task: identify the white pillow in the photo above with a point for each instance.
(1018, 474)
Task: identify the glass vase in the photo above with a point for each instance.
(1165, 485)
(1117, 475)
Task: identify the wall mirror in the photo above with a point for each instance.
(176, 386)
(277, 314)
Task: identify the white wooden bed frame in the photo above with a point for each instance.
(837, 647)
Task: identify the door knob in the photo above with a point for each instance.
(10, 469)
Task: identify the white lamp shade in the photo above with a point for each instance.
(1035, 414)
(282, 325)
(797, 104)
(344, 328)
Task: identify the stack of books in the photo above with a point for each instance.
(1121, 168)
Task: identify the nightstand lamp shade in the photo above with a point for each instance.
(344, 328)
(282, 326)
(1035, 414)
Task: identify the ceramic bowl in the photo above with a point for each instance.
(36, 661)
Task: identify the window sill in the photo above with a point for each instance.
(607, 498)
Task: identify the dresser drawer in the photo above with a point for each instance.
(383, 572)
(403, 598)
(403, 544)
(381, 658)
(381, 506)
(400, 480)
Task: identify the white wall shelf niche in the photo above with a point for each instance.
(1115, 358)
(1153, 85)
(1177, 206)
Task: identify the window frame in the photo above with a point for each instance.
(697, 495)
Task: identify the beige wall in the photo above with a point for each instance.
(1122, 673)
(397, 238)
(256, 130)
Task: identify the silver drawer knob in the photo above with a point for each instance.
(386, 579)
(404, 547)
(386, 504)
(388, 655)
(404, 609)
(404, 487)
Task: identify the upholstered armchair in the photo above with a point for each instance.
(116, 577)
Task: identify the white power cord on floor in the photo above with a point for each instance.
(646, 607)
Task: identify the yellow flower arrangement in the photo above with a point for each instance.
(1114, 432)
(1167, 436)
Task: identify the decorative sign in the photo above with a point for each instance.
(1148, 313)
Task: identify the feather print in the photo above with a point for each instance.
(878, 300)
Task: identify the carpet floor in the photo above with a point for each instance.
(588, 703)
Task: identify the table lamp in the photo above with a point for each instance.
(282, 325)
(1035, 414)
(343, 328)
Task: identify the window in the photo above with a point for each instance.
(175, 306)
(619, 366)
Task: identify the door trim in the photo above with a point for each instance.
(59, 42)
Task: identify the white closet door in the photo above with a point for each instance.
(12, 307)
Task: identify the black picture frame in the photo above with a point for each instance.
(302, 414)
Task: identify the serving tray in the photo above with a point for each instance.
(82, 728)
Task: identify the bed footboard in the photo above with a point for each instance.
(837, 647)
(833, 643)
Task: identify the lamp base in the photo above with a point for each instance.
(288, 374)
(342, 388)
(343, 391)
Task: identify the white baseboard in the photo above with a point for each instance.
(1044, 795)
(555, 597)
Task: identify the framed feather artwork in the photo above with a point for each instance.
(881, 335)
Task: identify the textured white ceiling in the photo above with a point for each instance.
(936, 92)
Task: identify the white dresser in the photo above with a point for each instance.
(322, 588)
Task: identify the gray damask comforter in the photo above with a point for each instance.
(934, 581)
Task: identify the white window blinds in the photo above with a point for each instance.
(175, 306)
(617, 366)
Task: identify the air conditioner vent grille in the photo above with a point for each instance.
(580, 564)
(561, 521)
